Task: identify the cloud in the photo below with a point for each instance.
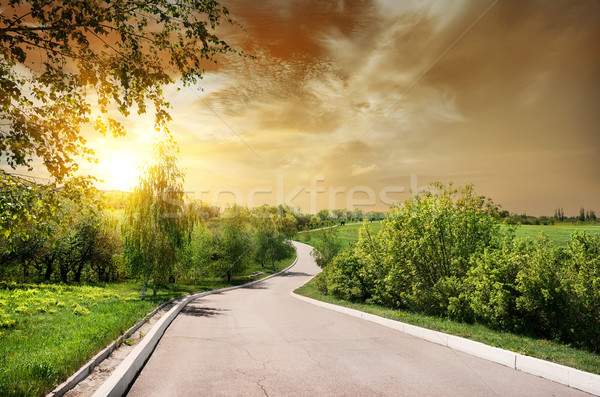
(390, 82)
(358, 170)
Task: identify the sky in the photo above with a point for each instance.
(353, 104)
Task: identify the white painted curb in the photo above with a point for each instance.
(123, 376)
(85, 370)
(571, 377)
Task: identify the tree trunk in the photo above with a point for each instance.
(144, 286)
(78, 271)
(48, 272)
(228, 276)
(64, 272)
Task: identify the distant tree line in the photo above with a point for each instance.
(325, 217)
(559, 217)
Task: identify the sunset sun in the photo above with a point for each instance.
(119, 171)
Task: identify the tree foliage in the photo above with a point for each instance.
(445, 254)
(27, 207)
(60, 60)
(157, 223)
(232, 243)
(326, 247)
(68, 64)
(273, 229)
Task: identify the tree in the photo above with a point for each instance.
(323, 214)
(273, 230)
(23, 253)
(358, 214)
(66, 64)
(78, 246)
(314, 221)
(108, 250)
(157, 225)
(198, 251)
(326, 247)
(232, 246)
(339, 214)
(559, 214)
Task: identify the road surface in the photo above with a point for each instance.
(260, 341)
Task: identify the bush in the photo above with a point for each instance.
(344, 277)
(542, 300)
(445, 254)
(326, 247)
(422, 253)
(491, 290)
(583, 286)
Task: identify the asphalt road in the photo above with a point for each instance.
(260, 341)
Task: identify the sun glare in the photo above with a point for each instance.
(119, 171)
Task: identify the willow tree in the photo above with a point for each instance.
(68, 64)
(157, 223)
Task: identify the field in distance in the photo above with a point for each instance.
(558, 234)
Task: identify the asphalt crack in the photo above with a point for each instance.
(257, 381)
(261, 386)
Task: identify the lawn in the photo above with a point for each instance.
(47, 331)
(346, 234)
(558, 234)
(540, 348)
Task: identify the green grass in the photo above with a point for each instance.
(346, 234)
(540, 348)
(559, 234)
(48, 331)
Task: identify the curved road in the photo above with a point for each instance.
(260, 341)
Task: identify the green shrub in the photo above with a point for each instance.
(321, 282)
(542, 300)
(444, 253)
(583, 285)
(491, 291)
(344, 277)
(326, 247)
(422, 253)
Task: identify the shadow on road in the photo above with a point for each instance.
(295, 274)
(255, 286)
(198, 311)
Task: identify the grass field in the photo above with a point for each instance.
(558, 234)
(48, 331)
(346, 234)
(540, 348)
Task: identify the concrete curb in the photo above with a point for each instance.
(571, 377)
(123, 376)
(85, 370)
